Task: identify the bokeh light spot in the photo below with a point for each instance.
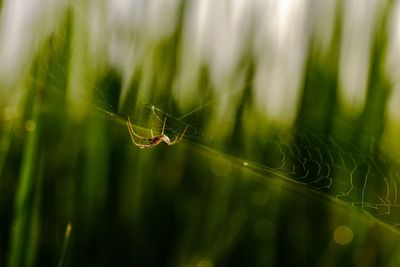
(343, 235)
(30, 125)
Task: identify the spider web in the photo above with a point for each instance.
(331, 165)
(323, 163)
(328, 164)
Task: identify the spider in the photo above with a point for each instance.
(154, 140)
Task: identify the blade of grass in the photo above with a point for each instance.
(24, 204)
(5, 142)
(65, 244)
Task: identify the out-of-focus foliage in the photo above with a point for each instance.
(290, 157)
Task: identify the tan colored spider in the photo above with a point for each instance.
(154, 140)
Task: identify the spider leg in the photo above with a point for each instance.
(136, 143)
(178, 138)
(131, 131)
(133, 134)
(144, 145)
(163, 128)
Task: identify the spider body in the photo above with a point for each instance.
(158, 139)
(154, 140)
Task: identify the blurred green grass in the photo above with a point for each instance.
(239, 190)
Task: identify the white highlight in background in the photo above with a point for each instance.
(281, 47)
(359, 21)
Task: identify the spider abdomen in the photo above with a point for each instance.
(166, 139)
(155, 139)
